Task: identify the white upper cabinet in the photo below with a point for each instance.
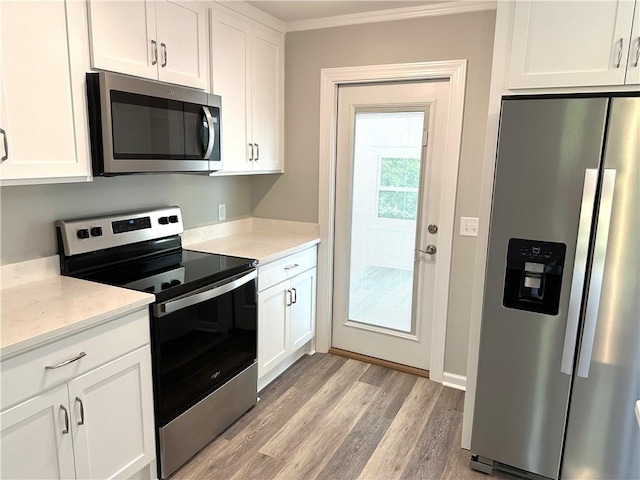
(633, 66)
(43, 120)
(570, 43)
(247, 70)
(157, 39)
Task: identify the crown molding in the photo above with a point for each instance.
(254, 13)
(448, 8)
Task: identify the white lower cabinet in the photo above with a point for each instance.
(286, 312)
(97, 423)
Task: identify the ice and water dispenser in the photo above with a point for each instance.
(534, 275)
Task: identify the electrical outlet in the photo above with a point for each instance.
(469, 226)
(222, 211)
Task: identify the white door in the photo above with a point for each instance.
(230, 66)
(43, 60)
(123, 37)
(36, 438)
(266, 99)
(182, 42)
(273, 305)
(390, 146)
(302, 312)
(569, 43)
(633, 65)
(112, 417)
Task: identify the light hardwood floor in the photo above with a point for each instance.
(329, 417)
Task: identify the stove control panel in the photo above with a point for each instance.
(98, 233)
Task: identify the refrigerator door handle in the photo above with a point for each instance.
(579, 269)
(597, 272)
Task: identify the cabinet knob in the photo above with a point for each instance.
(6, 142)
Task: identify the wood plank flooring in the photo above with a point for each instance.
(334, 418)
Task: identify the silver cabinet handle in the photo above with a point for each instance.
(430, 250)
(635, 63)
(295, 295)
(251, 157)
(579, 269)
(6, 145)
(212, 132)
(202, 295)
(65, 430)
(164, 54)
(79, 401)
(257, 152)
(620, 45)
(66, 362)
(597, 272)
(289, 297)
(155, 52)
(292, 266)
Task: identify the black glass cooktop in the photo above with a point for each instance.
(171, 274)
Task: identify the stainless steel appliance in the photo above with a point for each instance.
(142, 126)
(203, 322)
(559, 365)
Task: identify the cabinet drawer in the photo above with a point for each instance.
(286, 268)
(25, 375)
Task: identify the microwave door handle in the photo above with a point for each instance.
(172, 306)
(212, 133)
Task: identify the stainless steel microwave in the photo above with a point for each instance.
(142, 126)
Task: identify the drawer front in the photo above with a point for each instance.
(25, 375)
(286, 268)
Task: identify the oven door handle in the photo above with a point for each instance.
(166, 308)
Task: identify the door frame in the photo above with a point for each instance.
(454, 71)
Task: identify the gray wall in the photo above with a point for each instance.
(27, 213)
(294, 195)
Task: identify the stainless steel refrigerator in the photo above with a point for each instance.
(559, 365)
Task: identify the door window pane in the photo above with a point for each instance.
(386, 180)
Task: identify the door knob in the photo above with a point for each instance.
(430, 250)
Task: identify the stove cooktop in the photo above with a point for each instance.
(172, 274)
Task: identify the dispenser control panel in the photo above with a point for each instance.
(533, 277)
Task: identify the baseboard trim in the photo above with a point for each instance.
(459, 382)
(380, 362)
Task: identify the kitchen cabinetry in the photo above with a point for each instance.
(286, 310)
(43, 120)
(88, 418)
(157, 39)
(561, 44)
(247, 65)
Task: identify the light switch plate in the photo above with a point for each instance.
(469, 226)
(222, 211)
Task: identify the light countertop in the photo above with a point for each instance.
(38, 312)
(263, 246)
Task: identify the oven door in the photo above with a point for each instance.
(201, 340)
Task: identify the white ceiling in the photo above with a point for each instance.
(294, 10)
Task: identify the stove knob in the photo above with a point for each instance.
(82, 233)
(165, 285)
(163, 221)
(96, 232)
(175, 283)
(173, 219)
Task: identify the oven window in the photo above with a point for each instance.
(201, 347)
(146, 128)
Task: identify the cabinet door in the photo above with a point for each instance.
(230, 68)
(633, 66)
(43, 60)
(267, 100)
(123, 36)
(112, 417)
(568, 43)
(182, 43)
(302, 317)
(272, 326)
(33, 444)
